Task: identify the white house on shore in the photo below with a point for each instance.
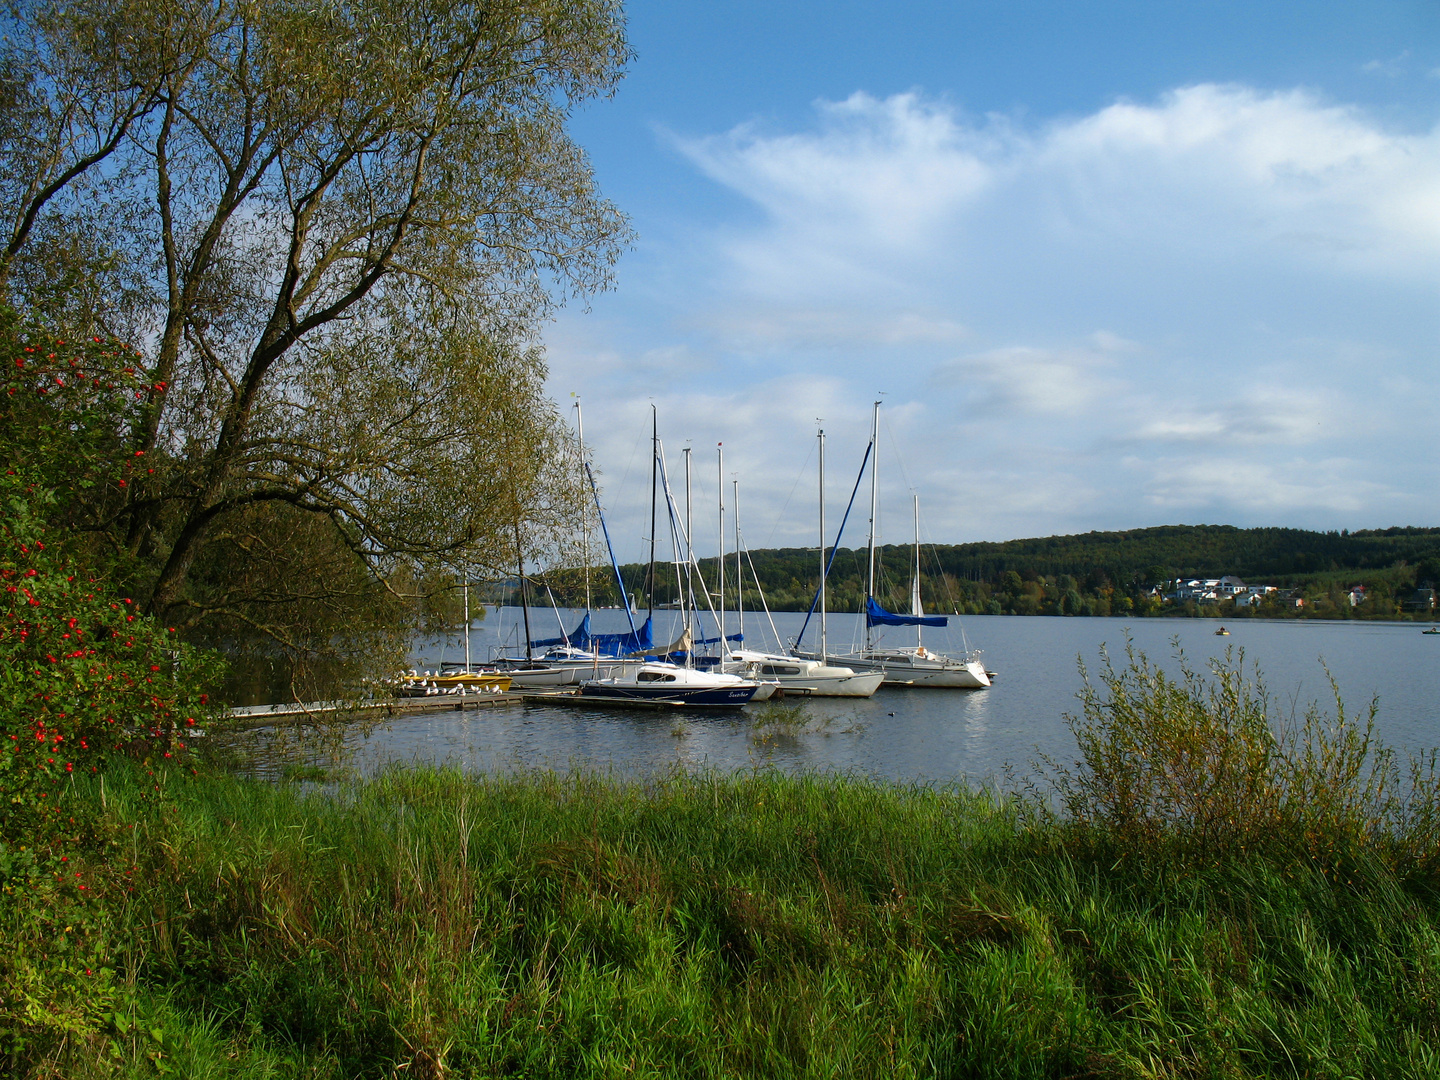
(1214, 590)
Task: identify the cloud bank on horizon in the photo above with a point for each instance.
(1217, 306)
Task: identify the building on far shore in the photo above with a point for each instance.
(1214, 590)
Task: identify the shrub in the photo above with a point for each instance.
(84, 676)
(1206, 766)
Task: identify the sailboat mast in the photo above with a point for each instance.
(739, 578)
(720, 549)
(689, 531)
(585, 507)
(524, 592)
(917, 604)
(680, 545)
(823, 642)
(874, 506)
(654, 477)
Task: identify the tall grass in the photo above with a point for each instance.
(429, 924)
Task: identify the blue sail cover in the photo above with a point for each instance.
(713, 640)
(604, 644)
(875, 615)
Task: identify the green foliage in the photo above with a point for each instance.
(85, 678)
(82, 672)
(341, 227)
(82, 675)
(1204, 768)
(427, 924)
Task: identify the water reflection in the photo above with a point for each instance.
(900, 734)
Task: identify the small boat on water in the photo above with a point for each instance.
(807, 678)
(658, 679)
(1432, 630)
(910, 665)
(918, 666)
(1222, 632)
(661, 681)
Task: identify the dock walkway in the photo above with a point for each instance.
(299, 712)
(260, 715)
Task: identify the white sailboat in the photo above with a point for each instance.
(659, 680)
(806, 676)
(913, 665)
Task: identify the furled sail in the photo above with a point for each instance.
(875, 615)
(683, 645)
(714, 640)
(639, 641)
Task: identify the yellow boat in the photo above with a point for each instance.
(473, 682)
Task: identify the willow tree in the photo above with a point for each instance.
(333, 229)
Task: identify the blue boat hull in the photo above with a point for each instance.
(719, 695)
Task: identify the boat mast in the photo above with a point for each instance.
(823, 643)
(739, 576)
(689, 531)
(654, 476)
(680, 545)
(720, 550)
(585, 507)
(874, 503)
(917, 604)
(524, 593)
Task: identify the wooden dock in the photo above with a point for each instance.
(320, 711)
(323, 711)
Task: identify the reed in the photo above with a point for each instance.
(1216, 890)
(425, 923)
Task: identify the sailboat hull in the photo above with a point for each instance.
(861, 684)
(908, 669)
(723, 695)
(804, 677)
(666, 682)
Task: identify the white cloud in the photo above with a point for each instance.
(1041, 381)
(1206, 166)
(1207, 306)
(757, 327)
(1334, 486)
(887, 169)
(1392, 68)
(1261, 414)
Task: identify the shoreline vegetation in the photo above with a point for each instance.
(1096, 574)
(1212, 888)
(289, 447)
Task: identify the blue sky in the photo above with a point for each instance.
(1111, 264)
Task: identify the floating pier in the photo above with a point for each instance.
(260, 715)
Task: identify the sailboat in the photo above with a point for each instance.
(582, 654)
(913, 665)
(802, 676)
(659, 679)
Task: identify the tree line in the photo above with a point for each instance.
(1096, 573)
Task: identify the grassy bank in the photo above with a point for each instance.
(426, 924)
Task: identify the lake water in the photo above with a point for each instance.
(909, 734)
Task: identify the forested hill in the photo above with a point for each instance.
(1280, 556)
(1103, 572)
